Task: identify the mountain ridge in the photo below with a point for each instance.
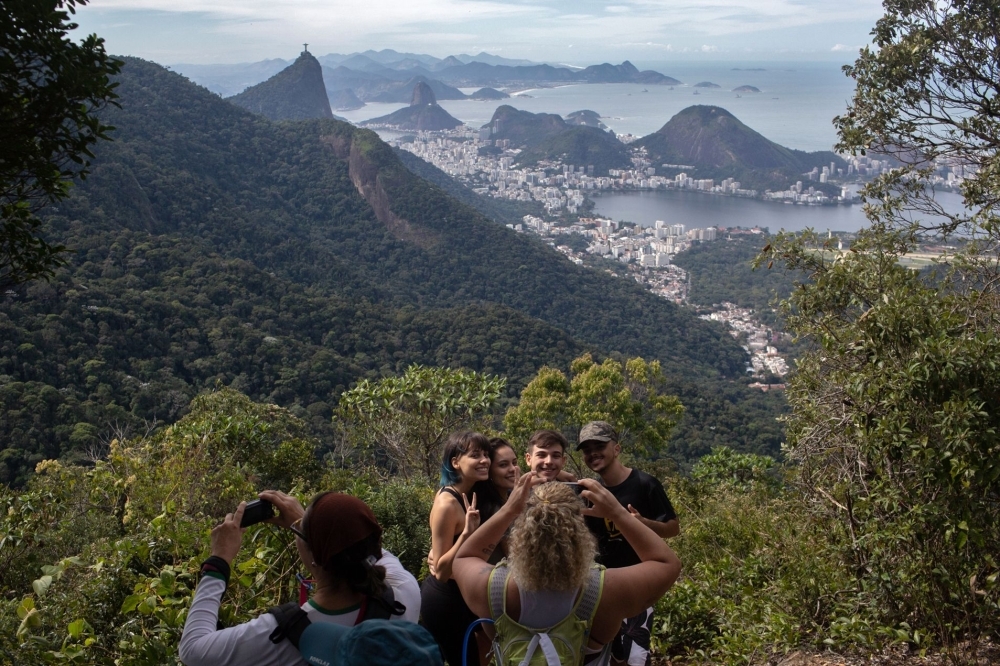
(718, 144)
(547, 136)
(295, 93)
(289, 260)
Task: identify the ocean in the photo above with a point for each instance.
(795, 107)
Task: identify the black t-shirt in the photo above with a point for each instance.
(647, 496)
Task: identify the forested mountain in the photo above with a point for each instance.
(546, 136)
(580, 146)
(718, 145)
(290, 260)
(295, 93)
(721, 271)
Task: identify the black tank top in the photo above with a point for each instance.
(461, 502)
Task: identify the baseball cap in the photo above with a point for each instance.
(597, 431)
(371, 643)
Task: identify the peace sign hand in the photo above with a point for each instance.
(471, 515)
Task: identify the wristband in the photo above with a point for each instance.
(216, 564)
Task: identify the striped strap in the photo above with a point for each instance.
(497, 589)
(586, 608)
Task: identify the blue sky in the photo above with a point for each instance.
(578, 32)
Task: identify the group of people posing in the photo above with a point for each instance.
(567, 570)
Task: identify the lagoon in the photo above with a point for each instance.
(696, 210)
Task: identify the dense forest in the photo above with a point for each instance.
(722, 271)
(214, 246)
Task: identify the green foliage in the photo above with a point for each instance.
(895, 416)
(215, 246)
(628, 395)
(759, 576)
(406, 419)
(50, 90)
(741, 471)
(895, 423)
(721, 271)
(100, 563)
(580, 146)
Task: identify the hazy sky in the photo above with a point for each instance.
(573, 31)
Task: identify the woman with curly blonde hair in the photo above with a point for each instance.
(550, 546)
(551, 573)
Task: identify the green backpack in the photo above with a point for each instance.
(559, 645)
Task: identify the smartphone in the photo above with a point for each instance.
(257, 511)
(576, 487)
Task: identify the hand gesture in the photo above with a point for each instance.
(471, 515)
(289, 508)
(603, 503)
(633, 511)
(227, 536)
(522, 491)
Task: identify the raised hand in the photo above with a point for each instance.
(227, 536)
(603, 503)
(522, 491)
(289, 508)
(471, 515)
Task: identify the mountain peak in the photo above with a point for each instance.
(422, 95)
(295, 93)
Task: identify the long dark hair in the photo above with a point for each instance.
(488, 499)
(458, 444)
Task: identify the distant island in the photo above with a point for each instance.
(706, 84)
(488, 94)
(748, 69)
(746, 89)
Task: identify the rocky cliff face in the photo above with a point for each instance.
(365, 177)
(295, 93)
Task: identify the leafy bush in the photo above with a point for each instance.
(118, 546)
(760, 574)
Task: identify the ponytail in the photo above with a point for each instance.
(356, 567)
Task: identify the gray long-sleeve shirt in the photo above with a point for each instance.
(248, 644)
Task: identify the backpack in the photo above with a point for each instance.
(560, 645)
(292, 620)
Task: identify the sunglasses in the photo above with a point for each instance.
(296, 529)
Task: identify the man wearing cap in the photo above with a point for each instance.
(643, 495)
(339, 542)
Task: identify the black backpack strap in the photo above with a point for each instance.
(292, 621)
(381, 607)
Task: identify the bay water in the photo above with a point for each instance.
(795, 108)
